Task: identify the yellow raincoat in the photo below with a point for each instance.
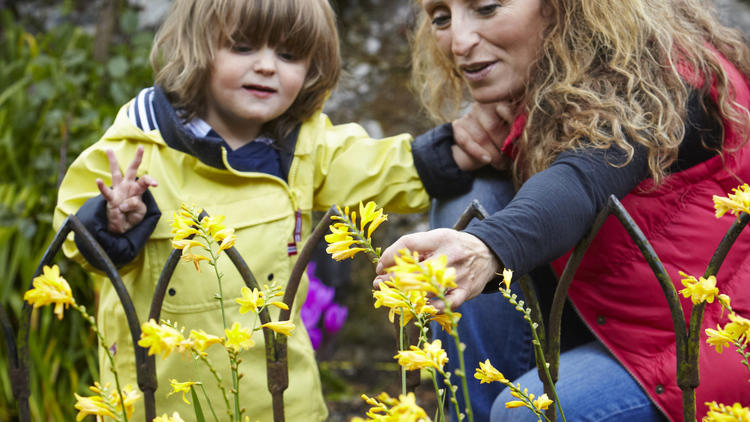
(331, 165)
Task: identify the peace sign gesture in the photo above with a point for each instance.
(125, 208)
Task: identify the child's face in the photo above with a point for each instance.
(249, 87)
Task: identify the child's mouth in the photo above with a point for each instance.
(259, 88)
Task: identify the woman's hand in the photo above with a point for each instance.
(480, 135)
(473, 261)
(125, 208)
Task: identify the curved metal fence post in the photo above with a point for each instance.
(72, 223)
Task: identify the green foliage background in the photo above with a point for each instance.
(55, 100)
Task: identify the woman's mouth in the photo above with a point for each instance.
(477, 71)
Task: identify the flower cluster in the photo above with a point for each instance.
(722, 413)
(486, 373)
(431, 355)
(347, 239)
(735, 203)
(411, 284)
(107, 402)
(50, 288)
(699, 290)
(387, 409)
(189, 230)
(320, 313)
(736, 332)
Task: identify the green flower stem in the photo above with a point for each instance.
(460, 348)
(111, 358)
(216, 375)
(401, 347)
(537, 345)
(232, 360)
(210, 406)
(440, 416)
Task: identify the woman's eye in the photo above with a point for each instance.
(487, 9)
(441, 19)
(287, 56)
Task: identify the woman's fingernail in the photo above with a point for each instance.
(486, 158)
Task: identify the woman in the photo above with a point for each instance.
(646, 100)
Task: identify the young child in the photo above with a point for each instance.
(233, 124)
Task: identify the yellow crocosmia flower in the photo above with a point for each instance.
(542, 402)
(50, 288)
(340, 241)
(438, 271)
(734, 203)
(486, 373)
(195, 259)
(699, 291)
(129, 397)
(182, 227)
(507, 277)
(161, 339)
(403, 409)
(226, 240)
(92, 405)
(202, 340)
(718, 339)
(738, 328)
(431, 355)
(186, 244)
(394, 300)
(370, 213)
(447, 322)
(514, 404)
(251, 300)
(181, 387)
(280, 305)
(238, 338)
(281, 327)
(722, 413)
(164, 418)
(213, 225)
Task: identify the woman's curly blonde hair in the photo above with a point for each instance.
(607, 73)
(186, 43)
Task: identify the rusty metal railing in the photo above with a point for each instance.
(275, 344)
(687, 333)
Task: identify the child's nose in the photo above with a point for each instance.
(265, 62)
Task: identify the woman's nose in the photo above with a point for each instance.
(464, 36)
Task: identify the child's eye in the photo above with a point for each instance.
(287, 56)
(241, 48)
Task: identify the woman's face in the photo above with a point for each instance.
(491, 42)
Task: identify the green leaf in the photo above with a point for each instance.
(117, 67)
(197, 406)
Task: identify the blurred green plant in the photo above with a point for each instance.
(55, 100)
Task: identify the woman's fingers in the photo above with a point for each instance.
(474, 263)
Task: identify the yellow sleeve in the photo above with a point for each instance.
(352, 167)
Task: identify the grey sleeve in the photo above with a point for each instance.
(555, 207)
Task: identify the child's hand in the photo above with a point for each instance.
(125, 208)
(480, 134)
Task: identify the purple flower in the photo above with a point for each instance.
(334, 317)
(310, 314)
(316, 336)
